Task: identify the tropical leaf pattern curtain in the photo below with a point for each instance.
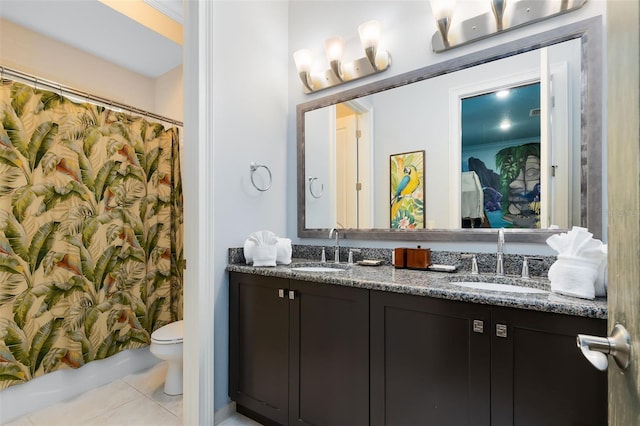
(90, 232)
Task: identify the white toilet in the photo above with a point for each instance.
(166, 344)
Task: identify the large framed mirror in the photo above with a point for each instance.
(510, 137)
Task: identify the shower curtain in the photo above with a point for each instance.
(91, 240)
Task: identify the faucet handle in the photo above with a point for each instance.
(474, 262)
(474, 265)
(525, 265)
(525, 269)
(351, 251)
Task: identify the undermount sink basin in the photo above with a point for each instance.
(316, 269)
(499, 287)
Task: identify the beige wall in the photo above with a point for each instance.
(169, 94)
(33, 53)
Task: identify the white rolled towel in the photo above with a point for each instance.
(601, 281)
(574, 276)
(248, 251)
(260, 248)
(283, 251)
(264, 255)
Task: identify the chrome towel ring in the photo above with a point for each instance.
(253, 167)
(313, 194)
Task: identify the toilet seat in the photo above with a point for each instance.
(169, 334)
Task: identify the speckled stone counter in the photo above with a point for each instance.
(438, 285)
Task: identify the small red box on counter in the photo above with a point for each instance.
(418, 258)
(400, 258)
(412, 258)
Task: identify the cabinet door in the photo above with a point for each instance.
(428, 365)
(258, 345)
(329, 370)
(539, 376)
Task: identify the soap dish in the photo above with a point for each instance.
(442, 268)
(370, 262)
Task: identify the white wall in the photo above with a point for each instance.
(319, 154)
(407, 30)
(250, 119)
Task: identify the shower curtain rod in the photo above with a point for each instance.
(37, 81)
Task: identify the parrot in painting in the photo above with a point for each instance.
(408, 184)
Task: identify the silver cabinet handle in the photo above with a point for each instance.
(292, 294)
(478, 326)
(281, 293)
(596, 349)
(501, 330)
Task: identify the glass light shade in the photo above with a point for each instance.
(334, 47)
(442, 9)
(370, 32)
(303, 59)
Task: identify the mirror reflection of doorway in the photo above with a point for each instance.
(353, 166)
(501, 156)
(555, 139)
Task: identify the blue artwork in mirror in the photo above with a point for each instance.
(501, 156)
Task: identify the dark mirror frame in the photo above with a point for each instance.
(589, 32)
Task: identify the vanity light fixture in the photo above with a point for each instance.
(501, 94)
(374, 61)
(443, 14)
(505, 15)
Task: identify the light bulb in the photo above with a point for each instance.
(369, 33)
(303, 59)
(505, 124)
(442, 9)
(334, 47)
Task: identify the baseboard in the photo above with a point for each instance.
(224, 413)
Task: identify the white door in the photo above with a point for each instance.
(347, 171)
(353, 166)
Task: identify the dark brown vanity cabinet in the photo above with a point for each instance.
(430, 361)
(440, 362)
(320, 354)
(299, 351)
(259, 345)
(539, 376)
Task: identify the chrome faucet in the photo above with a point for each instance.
(499, 255)
(334, 233)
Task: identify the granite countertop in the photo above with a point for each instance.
(438, 285)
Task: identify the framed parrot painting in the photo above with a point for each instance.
(406, 173)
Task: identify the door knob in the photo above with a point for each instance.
(596, 349)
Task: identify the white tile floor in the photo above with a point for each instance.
(135, 400)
